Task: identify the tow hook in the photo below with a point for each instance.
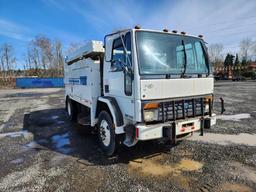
(222, 105)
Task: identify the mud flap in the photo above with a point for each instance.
(130, 132)
(207, 123)
(170, 132)
(202, 127)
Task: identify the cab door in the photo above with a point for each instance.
(118, 73)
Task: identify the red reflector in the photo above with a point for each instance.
(193, 127)
(137, 133)
(182, 129)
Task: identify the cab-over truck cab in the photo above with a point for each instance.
(149, 85)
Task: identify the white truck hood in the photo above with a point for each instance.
(174, 88)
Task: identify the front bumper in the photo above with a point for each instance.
(183, 126)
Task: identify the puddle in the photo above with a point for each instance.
(223, 139)
(54, 117)
(154, 168)
(32, 144)
(25, 134)
(13, 134)
(60, 140)
(236, 117)
(17, 161)
(234, 187)
(42, 141)
(61, 143)
(60, 122)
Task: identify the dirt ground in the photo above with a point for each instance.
(41, 150)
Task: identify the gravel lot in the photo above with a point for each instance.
(41, 150)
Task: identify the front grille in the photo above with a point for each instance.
(180, 109)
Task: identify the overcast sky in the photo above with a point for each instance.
(220, 21)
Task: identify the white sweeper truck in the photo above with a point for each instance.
(139, 85)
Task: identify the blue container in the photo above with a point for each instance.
(32, 82)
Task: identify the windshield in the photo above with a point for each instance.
(160, 53)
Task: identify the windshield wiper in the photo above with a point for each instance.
(206, 58)
(185, 62)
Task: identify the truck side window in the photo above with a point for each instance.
(128, 48)
(118, 57)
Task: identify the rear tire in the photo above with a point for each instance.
(72, 110)
(106, 133)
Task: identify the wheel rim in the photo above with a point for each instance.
(69, 109)
(105, 132)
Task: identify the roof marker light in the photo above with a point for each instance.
(165, 30)
(175, 31)
(137, 27)
(183, 32)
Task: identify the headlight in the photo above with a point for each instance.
(150, 115)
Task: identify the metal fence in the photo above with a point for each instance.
(34, 82)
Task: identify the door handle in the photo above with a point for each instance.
(106, 88)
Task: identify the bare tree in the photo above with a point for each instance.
(245, 48)
(45, 47)
(44, 57)
(7, 59)
(254, 50)
(33, 58)
(215, 52)
(3, 70)
(58, 58)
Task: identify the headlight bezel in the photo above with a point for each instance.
(150, 115)
(150, 109)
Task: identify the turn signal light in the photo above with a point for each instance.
(207, 98)
(151, 105)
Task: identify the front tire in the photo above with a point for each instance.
(106, 133)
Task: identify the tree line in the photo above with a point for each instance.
(238, 62)
(43, 58)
